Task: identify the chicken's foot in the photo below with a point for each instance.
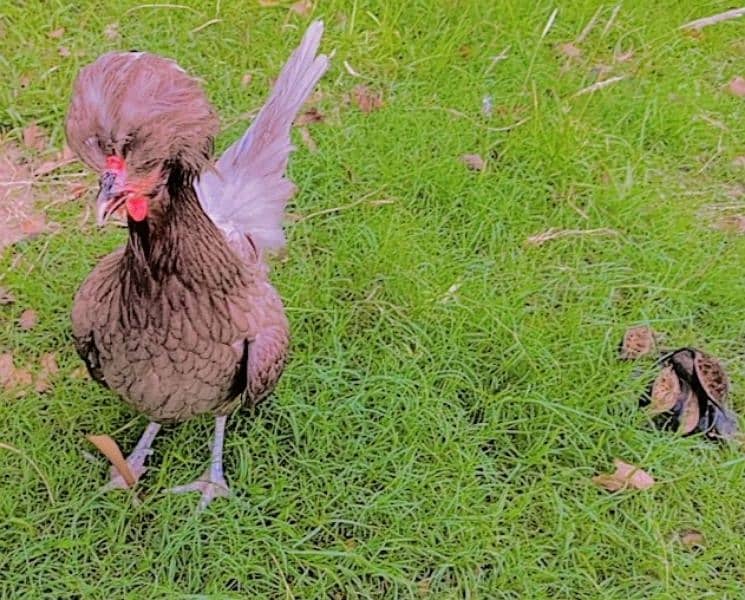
(136, 460)
(212, 482)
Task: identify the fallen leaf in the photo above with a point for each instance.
(637, 342)
(739, 161)
(21, 378)
(570, 50)
(625, 476)
(110, 449)
(28, 319)
(366, 99)
(34, 137)
(665, 391)
(246, 79)
(64, 51)
(308, 140)
(268, 3)
(11, 377)
(18, 219)
(312, 115)
(737, 87)
(473, 162)
(62, 158)
(624, 56)
(302, 8)
(6, 368)
(57, 33)
(49, 363)
(691, 539)
(712, 377)
(76, 189)
(690, 413)
(49, 368)
(111, 31)
(24, 81)
(80, 373)
(6, 297)
(733, 224)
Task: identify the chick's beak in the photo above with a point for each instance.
(111, 196)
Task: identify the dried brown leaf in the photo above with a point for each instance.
(76, 189)
(7, 368)
(64, 51)
(268, 3)
(625, 476)
(690, 413)
(312, 115)
(737, 87)
(739, 161)
(666, 391)
(11, 377)
(624, 56)
(49, 363)
(637, 342)
(302, 8)
(48, 370)
(473, 162)
(111, 31)
(28, 319)
(246, 79)
(366, 99)
(570, 50)
(110, 449)
(80, 373)
(730, 223)
(24, 81)
(712, 377)
(57, 33)
(691, 539)
(308, 140)
(34, 137)
(62, 158)
(6, 297)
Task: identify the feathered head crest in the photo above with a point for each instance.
(143, 108)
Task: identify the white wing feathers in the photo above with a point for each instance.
(248, 190)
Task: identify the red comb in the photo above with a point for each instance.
(114, 163)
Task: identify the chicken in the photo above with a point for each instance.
(183, 320)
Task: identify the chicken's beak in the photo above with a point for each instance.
(110, 196)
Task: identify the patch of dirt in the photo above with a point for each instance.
(18, 217)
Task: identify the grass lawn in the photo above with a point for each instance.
(452, 387)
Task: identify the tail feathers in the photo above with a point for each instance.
(248, 191)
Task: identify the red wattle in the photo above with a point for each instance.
(137, 208)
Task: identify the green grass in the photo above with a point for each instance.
(415, 447)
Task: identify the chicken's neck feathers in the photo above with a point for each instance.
(181, 242)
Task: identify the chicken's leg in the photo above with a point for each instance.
(136, 460)
(212, 482)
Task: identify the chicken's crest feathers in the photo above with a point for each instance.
(247, 192)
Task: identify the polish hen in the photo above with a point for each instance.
(182, 320)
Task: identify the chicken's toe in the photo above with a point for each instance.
(136, 462)
(211, 487)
